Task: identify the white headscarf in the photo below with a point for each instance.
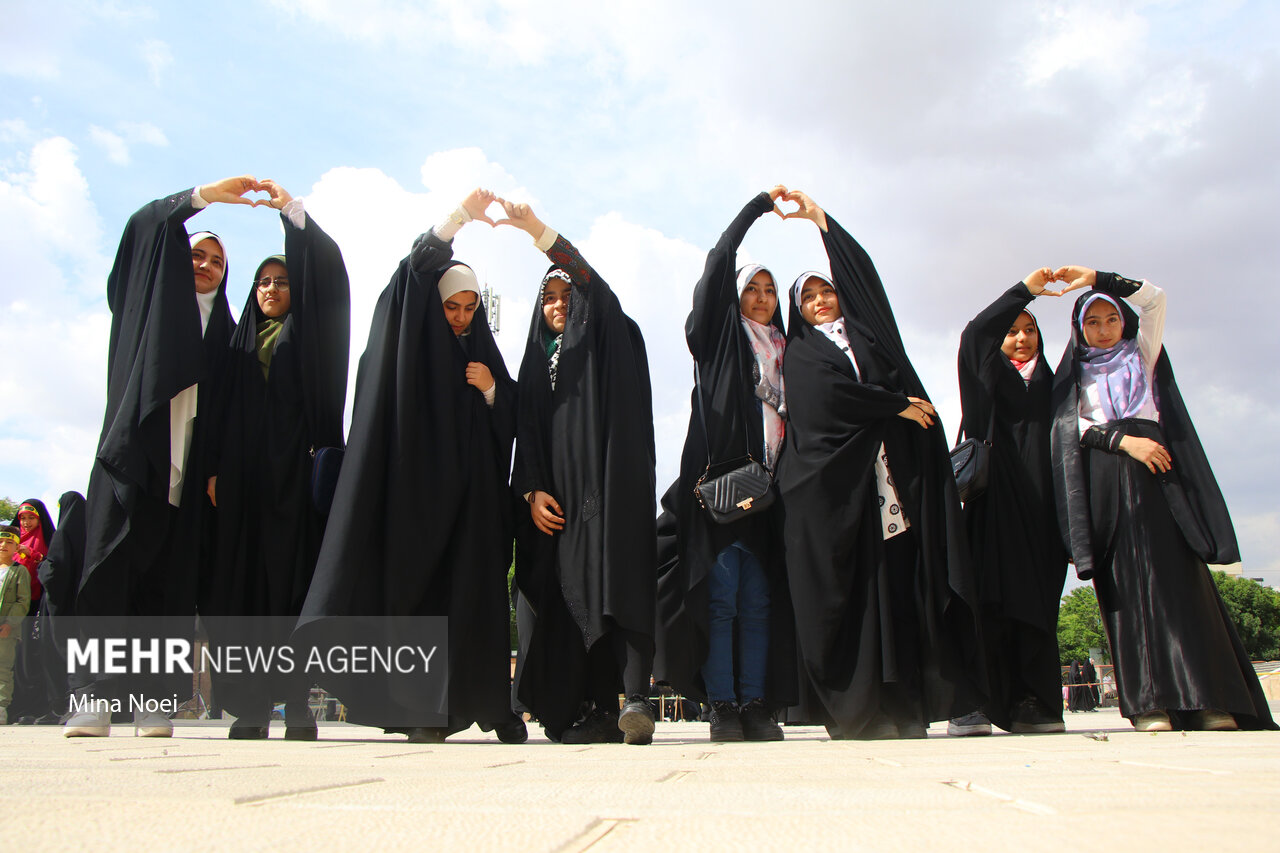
(768, 345)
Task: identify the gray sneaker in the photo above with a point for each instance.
(969, 725)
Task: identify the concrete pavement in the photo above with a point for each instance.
(1100, 785)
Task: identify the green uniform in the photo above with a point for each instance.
(15, 598)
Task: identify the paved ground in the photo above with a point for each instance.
(1101, 785)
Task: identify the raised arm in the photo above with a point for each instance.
(715, 295)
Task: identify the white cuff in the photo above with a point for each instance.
(547, 240)
(452, 224)
(198, 201)
(490, 394)
(295, 213)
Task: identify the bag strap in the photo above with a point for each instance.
(991, 425)
(706, 439)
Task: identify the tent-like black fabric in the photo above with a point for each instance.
(268, 531)
(1012, 526)
(589, 443)
(728, 408)
(141, 553)
(886, 628)
(421, 518)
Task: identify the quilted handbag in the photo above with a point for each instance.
(737, 493)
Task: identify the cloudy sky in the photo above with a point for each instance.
(964, 144)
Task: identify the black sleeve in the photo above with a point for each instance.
(1114, 284)
(717, 289)
(322, 309)
(1102, 438)
(986, 332)
(429, 253)
(144, 227)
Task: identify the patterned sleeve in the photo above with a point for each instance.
(563, 254)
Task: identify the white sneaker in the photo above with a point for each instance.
(151, 724)
(1153, 721)
(1210, 720)
(88, 724)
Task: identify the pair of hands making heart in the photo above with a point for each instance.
(234, 190)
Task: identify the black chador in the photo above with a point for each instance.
(421, 519)
(1144, 539)
(1012, 527)
(586, 438)
(732, 414)
(282, 398)
(60, 577)
(886, 627)
(145, 506)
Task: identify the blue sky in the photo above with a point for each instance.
(963, 144)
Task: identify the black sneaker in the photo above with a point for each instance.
(247, 730)
(598, 727)
(969, 725)
(1031, 717)
(757, 723)
(726, 723)
(636, 721)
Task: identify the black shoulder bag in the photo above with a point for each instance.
(745, 487)
(971, 461)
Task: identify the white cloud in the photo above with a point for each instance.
(112, 144)
(505, 31)
(1095, 36)
(50, 239)
(158, 57)
(117, 145)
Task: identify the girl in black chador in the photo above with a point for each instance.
(421, 524)
(879, 572)
(282, 396)
(1017, 556)
(727, 632)
(586, 557)
(1142, 514)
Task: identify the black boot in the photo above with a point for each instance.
(757, 723)
(726, 724)
(512, 730)
(299, 722)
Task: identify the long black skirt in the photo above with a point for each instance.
(1172, 641)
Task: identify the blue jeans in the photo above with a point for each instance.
(737, 588)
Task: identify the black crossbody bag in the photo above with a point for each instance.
(745, 487)
(971, 461)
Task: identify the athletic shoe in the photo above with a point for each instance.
(598, 727)
(88, 724)
(726, 723)
(1153, 721)
(1031, 717)
(1210, 720)
(637, 721)
(757, 723)
(969, 725)
(152, 724)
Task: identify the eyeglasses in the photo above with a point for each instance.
(281, 282)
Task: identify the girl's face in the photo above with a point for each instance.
(273, 289)
(759, 298)
(460, 310)
(208, 263)
(819, 302)
(555, 303)
(1102, 325)
(28, 521)
(1022, 341)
